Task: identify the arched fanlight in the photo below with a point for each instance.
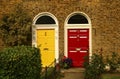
(45, 20)
(77, 19)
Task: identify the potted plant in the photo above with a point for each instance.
(66, 62)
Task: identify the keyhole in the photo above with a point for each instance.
(45, 34)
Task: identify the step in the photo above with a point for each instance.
(73, 75)
(71, 70)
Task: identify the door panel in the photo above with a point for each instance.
(46, 43)
(78, 45)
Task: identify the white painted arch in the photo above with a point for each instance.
(77, 12)
(46, 26)
(77, 26)
(45, 14)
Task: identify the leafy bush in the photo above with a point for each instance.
(113, 61)
(20, 62)
(49, 73)
(95, 67)
(15, 27)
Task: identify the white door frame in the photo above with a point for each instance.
(77, 26)
(46, 26)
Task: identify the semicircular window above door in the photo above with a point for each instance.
(77, 19)
(46, 37)
(45, 20)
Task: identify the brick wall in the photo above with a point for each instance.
(104, 15)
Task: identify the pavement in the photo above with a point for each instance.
(73, 73)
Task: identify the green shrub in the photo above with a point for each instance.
(95, 67)
(49, 73)
(20, 62)
(113, 61)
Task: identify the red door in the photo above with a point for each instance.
(78, 45)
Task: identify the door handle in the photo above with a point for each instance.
(78, 49)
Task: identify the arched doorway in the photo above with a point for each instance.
(78, 43)
(45, 36)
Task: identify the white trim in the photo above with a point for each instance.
(72, 36)
(83, 37)
(77, 26)
(77, 12)
(45, 14)
(83, 51)
(73, 51)
(46, 26)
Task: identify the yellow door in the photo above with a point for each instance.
(46, 43)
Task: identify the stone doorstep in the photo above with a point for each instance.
(78, 70)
